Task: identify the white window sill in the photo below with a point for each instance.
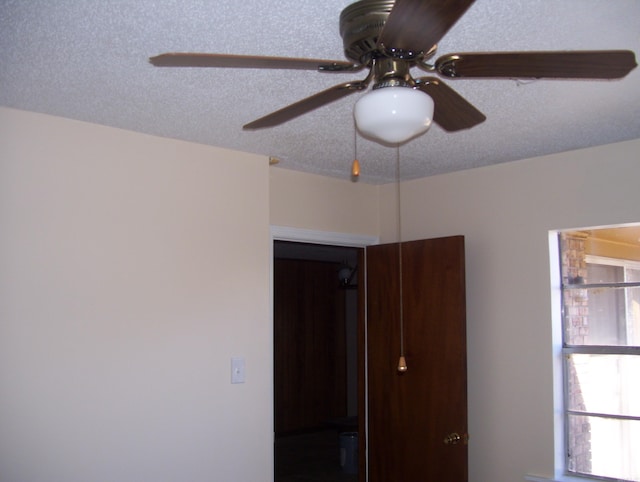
(564, 478)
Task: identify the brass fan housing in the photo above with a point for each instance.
(360, 26)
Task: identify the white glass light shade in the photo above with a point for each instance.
(393, 114)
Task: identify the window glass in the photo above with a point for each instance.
(607, 384)
(609, 447)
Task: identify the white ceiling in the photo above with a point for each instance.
(87, 60)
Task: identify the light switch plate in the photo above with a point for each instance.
(237, 370)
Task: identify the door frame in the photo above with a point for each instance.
(301, 235)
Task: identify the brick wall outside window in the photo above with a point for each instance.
(576, 325)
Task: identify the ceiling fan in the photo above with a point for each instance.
(389, 38)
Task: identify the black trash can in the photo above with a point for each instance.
(349, 452)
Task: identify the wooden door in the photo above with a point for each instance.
(410, 414)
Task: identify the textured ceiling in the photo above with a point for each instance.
(87, 60)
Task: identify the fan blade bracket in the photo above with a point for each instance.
(447, 65)
(340, 67)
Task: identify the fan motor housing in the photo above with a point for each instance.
(360, 26)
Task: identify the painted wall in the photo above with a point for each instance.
(309, 201)
(123, 291)
(505, 213)
(126, 263)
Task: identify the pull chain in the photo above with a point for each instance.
(355, 166)
(402, 363)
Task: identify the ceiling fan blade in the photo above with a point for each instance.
(417, 25)
(451, 111)
(306, 105)
(603, 64)
(180, 59)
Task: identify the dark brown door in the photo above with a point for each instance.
(411, 414)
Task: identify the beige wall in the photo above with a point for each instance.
(126, 263)
(505, 213)
(124, 288)
(308, 201)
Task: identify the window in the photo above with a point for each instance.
(600, 272)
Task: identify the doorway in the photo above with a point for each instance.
(315, 362)
(416, 422)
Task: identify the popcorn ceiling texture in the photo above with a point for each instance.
(87, 60)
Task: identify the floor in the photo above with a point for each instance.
(310, 457)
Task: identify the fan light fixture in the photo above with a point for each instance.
(394, 114)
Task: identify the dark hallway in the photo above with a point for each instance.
(315, 362)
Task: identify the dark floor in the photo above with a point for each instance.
(310, 457)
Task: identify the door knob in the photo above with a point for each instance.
(455, 438)
(452, 439)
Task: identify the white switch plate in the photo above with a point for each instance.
(237, 370)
